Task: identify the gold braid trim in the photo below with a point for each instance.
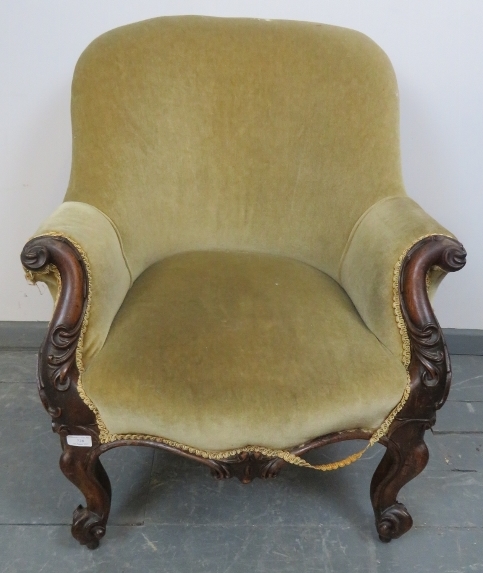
(221, 455)
(35, 276)
(106, 437)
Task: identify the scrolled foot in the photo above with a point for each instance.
(393, 522)
(87, 527)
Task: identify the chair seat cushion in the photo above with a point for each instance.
(220, 350)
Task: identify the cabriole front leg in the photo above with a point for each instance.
(83, 468)
(406, 456)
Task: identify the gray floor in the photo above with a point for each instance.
(169, 515)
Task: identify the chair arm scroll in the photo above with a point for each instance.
(429, 364)
(58, 368)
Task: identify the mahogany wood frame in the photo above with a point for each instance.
(406, 453)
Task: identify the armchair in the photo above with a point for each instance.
(239, 276)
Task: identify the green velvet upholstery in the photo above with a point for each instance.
(236, 188)
(199, 133)
(219, 350)
(378, 239)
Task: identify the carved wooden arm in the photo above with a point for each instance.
(429, 368)
(58, 371)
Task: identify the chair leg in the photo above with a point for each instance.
(84, 469)
(406, 456)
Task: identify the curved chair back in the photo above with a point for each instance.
(210, 133)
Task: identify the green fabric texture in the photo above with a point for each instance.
(221, 350)
(367, 269)
(198, 133)
(110, 277)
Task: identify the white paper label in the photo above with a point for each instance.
(81, 441)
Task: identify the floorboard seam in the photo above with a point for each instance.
(461, 432)
(149, 487)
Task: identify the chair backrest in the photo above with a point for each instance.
(211, 133)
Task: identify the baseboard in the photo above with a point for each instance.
(464, 341)
(29, 335)
(22, 335)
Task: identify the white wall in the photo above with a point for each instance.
(436, 47)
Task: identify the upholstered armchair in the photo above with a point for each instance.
(239, 276)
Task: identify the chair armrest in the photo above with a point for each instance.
(376, 274)
(100, 280)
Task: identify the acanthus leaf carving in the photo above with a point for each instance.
(427, 347)
(246, 466)
(62, 356)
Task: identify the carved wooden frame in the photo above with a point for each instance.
(406, 453)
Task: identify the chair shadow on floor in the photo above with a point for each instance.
(182, 493)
